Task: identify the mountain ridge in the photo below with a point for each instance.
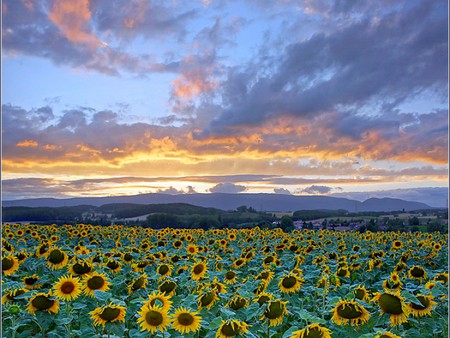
(224, 201)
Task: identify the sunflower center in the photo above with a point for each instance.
(264, 275)
(268, 259)
(67, 287)
(390, 304)
(30, 280)
(198, 269)
(417, 272)
(109, 314)
(81, 269)
(163, 269)
(56, 256)
(185, 319)
(238, 303)
(289, 282)
(207, 298)
(112, 265)
(42, 302)
(230, 330)
(154, 318)
(95, 282)
(168, 287)
(274, 310)
(7, 263)
(138, 283)
(425, 303)
(442, 278)
(230, 275)
(43, 249)
(342, 272)
(349, 311)
(360, 293)
(127, 257)
(263, 299)
(313, 333)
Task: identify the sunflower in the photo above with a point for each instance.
(198, 270)
(386, 334)
(230, 277)
(114, 266)
(192, 249)
(313, 330)
(207, 299)
(397, 244)
(390, 286)
(43, 302)
(164, 270)
(263, 298)
(138, 283)
(56, 258)
(67, 288)
(220, 287)
(95, 281)
(185, 321)
(427, 303)
(80, 268)
(417, 272)
(238, 302)
(361, 293)
(349, 312)
(343, 272)
(275, 312)
(265, 275)
(108, 314)
(239, 263)
(9, 295)
(290, 283)
(231, 328)
(10, 264)
(153, 318)
(167, 287)
(441, 278)
(21, 256)
(394, 305)
(159, 299)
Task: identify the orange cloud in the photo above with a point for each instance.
(27, 143)
(188, 87)
(73, 18)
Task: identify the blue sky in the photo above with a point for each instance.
(110, 97)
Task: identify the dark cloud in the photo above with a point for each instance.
(315, 190)
(281, 191)
(387, 60)
(227, 188)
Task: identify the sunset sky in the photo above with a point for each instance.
(110, 97)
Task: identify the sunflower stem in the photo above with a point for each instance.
(268, 331)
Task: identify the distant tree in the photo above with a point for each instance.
(287, 224)
(242, 208)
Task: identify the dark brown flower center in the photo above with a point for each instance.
(263, 299)
(207, 298)
(109, 314)
(163, 269)
(138, 283)
(289, 282)
(56, 256)
(230, 275)
(67, 287)
(81, 268)
(360, 294)
(127, 257)
(238, 303)
(113, 265)
(185, 319)
(198, 269)
(154, 318)
(349, 311)
(167, 286)
(313, 333)
(417, 272)
(42, 302)
(274, 310)
(390, 304)
(230, 330)
(31, 280)
(95, 282)
(7, 263)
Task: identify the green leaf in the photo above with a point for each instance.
(102, 295)
(289, 332)
(215, 324)
(64, 320)
(410, 297)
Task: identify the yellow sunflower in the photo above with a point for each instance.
(275, 312)
(349, 312)
(9, 295)
(424, 309)
(313, 330)
(192, 249)
(80, 268)
(231, 328)
(167, 287)
(43, 302)
(95, 281)
(159, 299)
(417, 272)
(42, 250)
(10, 264)
(138, 283)
(263, 298)
(207, 299)
(198, 270)
(237, 302)
(56, 258)
(153, 319)
(362, 293)
(164, 270)
(265, 275)
(441, 278)
(185, 321)
(290, 283)
(220, 287)
(67, 288)
(108, 314)
(114, 266)
(230, 277)
(394, 305)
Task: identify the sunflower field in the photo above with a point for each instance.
(91, 281)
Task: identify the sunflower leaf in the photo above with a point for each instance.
(289, 332)
(102, 295)
(410, 297)
(215, 324)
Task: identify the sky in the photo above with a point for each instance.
(307, 97)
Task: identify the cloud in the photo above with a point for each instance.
(227, 188)
(281, 191)
(316, 190)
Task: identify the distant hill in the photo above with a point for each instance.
(260, 202)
